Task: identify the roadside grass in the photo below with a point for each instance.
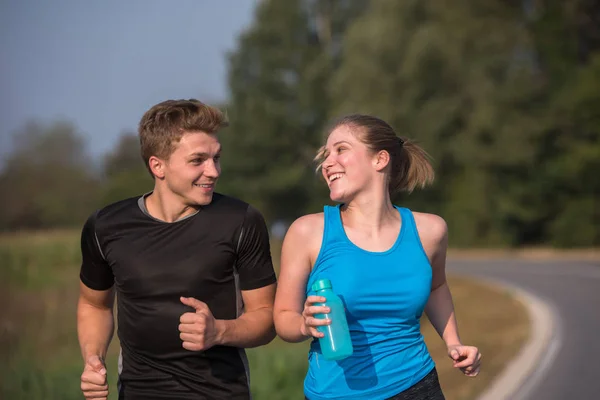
(39, 352)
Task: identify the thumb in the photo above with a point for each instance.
(96, 363)
(455, 354)
(194, 303)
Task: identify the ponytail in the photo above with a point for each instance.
(411, 168)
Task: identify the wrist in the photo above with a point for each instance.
(90, 351)
(453, 343)
(221, 328)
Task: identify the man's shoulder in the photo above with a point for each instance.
(228, 208)
(118, 208)
(103, 219)
(222, 202)
(119, 211)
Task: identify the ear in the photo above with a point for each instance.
(157, 166)
(381, 160)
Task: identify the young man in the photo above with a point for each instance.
(184, 262)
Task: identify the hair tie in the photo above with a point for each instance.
(401, 141)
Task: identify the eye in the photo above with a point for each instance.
(197, 161)
(341, 149)
(217, 158)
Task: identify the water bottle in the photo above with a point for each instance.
(336, 344)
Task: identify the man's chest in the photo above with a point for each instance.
(155, 262)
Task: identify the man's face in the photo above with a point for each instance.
(192, 170)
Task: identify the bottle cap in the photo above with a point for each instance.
(321, 284)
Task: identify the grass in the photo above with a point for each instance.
(39, 352)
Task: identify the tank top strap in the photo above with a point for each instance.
(409, 225)
(333, 229)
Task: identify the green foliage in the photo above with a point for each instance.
(504, 95)
(279, 101)
(46, 181)
(277, 370)
(54, 253)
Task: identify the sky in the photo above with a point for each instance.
(102, 64)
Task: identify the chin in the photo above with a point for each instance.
(337, 197)
(202, 200)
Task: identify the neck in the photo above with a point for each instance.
(167, 206)
(370, 211)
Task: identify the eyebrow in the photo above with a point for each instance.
(204, 154)
(340, 142)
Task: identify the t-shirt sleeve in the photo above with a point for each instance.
(95, 272)
(254, 263)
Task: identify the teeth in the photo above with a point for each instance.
(334, 177)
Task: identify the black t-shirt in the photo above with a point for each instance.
(211, 256)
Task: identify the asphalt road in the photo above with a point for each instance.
(570, 368)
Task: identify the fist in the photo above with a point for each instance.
(310, 323)
(466, 358)
(197, 328)
(93, 379)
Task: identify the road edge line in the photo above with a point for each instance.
(535, 357)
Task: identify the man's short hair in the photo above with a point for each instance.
(163, 125)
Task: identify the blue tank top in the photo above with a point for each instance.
(384, 294)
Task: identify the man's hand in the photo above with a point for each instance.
(198, 330)
(93, 379)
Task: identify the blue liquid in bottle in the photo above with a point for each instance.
(336, 345)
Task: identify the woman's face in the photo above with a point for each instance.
(348, 165)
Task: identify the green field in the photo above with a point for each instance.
(39, 352)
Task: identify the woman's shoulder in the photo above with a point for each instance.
(304, 236)
(307, 225)
(431, 227)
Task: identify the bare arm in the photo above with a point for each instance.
(433, 232)
(95, 321)
(200, 330)
(440, 307)
(293, 312)
(255, 326)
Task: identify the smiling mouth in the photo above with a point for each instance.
(334, 177)
(205, 185)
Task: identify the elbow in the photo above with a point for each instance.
(266, 338)
(267, 335)
(270, 335)
(278, 326)
(283, 329)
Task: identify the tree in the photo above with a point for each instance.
(448, 74)
(125, 174)
(47, 180)
(279, 104)
(567, 39)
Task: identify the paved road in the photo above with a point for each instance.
(570, 369)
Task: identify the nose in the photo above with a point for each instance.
(329, 160)
(212, 169)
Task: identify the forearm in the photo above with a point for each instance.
(251, 329)
(440, 311)
(287, 324)
(95, 327)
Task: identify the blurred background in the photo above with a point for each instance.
(504, 95)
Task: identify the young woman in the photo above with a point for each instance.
(385, 262)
